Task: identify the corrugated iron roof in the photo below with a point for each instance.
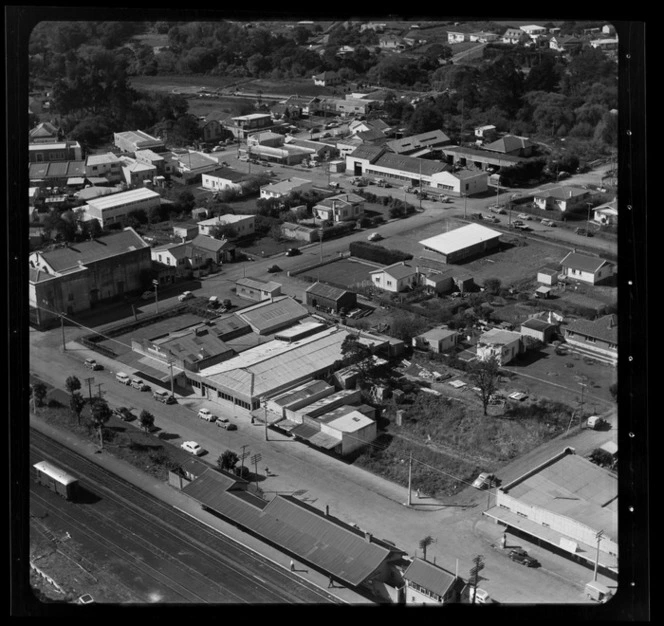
(583, 262)
(429, 576)
(326, 291)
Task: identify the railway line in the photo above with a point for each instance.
(162, 551)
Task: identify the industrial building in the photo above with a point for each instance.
(112, 208)
(132, 141)
(463, 243)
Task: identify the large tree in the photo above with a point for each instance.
(76, 404)
(100, 413)
(146, 420)
(72, 384)
(227, 460)
(39, 391)
(485, 375)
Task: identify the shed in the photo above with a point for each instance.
(325, 296)
(542, 292)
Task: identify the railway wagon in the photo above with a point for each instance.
(56, 479)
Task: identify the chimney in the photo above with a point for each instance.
(327, 510)
(367, 536)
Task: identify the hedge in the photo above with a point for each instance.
(379, 254)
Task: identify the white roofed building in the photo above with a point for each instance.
(110, 209)
(462, 243)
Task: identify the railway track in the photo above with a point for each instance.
(168, 546)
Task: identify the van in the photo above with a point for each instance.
(595, 422)
(163, 396)
(123, 378)
(597, 591)
(481, 596)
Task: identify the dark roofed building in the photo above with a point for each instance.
(539, 329)
(427, 583)
(589, 269)
(422, 143)
(324, 296)
(598, 338)
(513, 145)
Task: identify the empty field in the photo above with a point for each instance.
(343, 272)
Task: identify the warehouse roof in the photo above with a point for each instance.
(273, 314)
(350, 422)
(410, 164)
(195, 345)
(300, 392)
(460, 238)
(572, 487)
(124, 197)
(56, 169)
(416, 142)
(369, 152)
(509, 143)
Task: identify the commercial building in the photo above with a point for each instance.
(564, 504)
(273, 315)
(189, 167)
(137, 174)
(420, 145)
(75, 278)
(244, 125)
(132, 141)
(256, 289)
(461, 182)
(243, 225)
(297, 397)
(57, 174)
(225, 179)
(41, 152)
(111, 209)
(107, 166)
(462, 243)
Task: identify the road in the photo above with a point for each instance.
(355, 496)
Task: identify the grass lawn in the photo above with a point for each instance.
(343, 272)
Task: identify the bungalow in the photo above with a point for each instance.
(538, 329)
(243, 225)
(439, 339)
(514, 36)
(225, 179)
(597, 338)
(435, 281)
(341, 208)
(391, 42)
(218, 251)
(563, 198)
(483, 37)
(588, 269)
(565, 43)
(606, 214)
(190, 166)
(533, 30)
(256, 289)
(428, 583)
(184, 257)
(285, 187)
(327, 79)
(395, 278)
(360, 126)
(503, 345)
(457, 37)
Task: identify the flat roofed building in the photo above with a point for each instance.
(110, 209)
(41, 152)
(299, 396)
(438, 339)
(462, 243)
(503, 345)
(256, 289)
(133, 140)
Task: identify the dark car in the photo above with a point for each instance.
(293, 252)
(584, 232)
(519, 555)
(124, 414)
(273, 269)
(92, 364)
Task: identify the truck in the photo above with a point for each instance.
(597, 591)
(595, 422)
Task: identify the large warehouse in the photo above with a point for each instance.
(462, 243)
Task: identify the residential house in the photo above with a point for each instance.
(359, 126)
(184, 257)
(457, 36)
(598, 338)
(256, 289)
(606, 214)
(137, 174)
(395, 278)
(215, 251)
(134, 140)
(243, 225)
(608, 45)
(428, 583)
(329, 298)
(43, 152)
(299, 232)
(285, 187)
(565, 43)
(483, 37)
(72, 279)
(163, 162)
(514, 36)
(391, 42)
(345, 106)
(327, 79)
(225, 179)
(107, 166)
(503, 345)
(112, 208)
(563, 198)
(340, 208)
(608, 29)
(189, 167)
(588, 269)
(539, 329)
(438, 340)
(533, 30)
(45, 132)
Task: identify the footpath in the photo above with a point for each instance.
(178, 500)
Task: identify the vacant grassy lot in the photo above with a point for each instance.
(343, 272)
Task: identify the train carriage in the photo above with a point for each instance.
(56, 480)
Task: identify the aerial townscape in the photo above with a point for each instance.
(323, 312)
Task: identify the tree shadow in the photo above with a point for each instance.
(167, 436)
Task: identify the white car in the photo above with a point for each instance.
(524, 216)
(123, 378)
(192, 447)
(375, 237)
(205, 414)
(185, 295)
(484, 480)
(137, 383)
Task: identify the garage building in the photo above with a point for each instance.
(462, 243)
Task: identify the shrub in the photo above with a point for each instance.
(379, 254)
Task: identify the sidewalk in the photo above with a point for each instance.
(178, 500)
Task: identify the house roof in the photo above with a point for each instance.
(368, 152)
(411, 164)
(226, 218)
(228, 173)
(209, 243)
(604, 328)
(286, 186)
(499, 336)
(429, 576)
(537, 324)
(509, 143)
(397, 271)
(564, 192)
(578, 261)
(44, 129)
(435, 334)
(102, 159)
(256, 283)
(195, 160)
(85, 252)
(327, 291)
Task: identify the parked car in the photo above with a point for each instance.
(124, 414)
(273, 269)
(293, 252)
(375, 237)
(547, 222)
(583, 232)
(206, 415)
(521, 556)
(517, 223)
(492, 218)
(147, 295)
(185, 295)
(496, 208)
(484, 480)
(596, 422)
(92, 364)
(192, 447)
(163, 396)
(477, 216)
(137, 383)
(223, 422)
(521, 226)
(123, 378)
(524, 216)
(480, 596)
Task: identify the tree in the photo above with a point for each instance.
(424, 544)
(405, 326)
(228, 460)
(146, 420)
(39, 391)
(358, 354)
(72, 384)
(484, 374)
(100, 413)
(76, 404)
(224, 231)
(492, 286)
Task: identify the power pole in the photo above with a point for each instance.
(62, 327)
(242, 457)
(265, 417)
(90, 381)
(170, 364)
(598, 536)
(410, 477)
(155, 282)
(254, 459)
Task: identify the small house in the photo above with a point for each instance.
(395, 278)
(256, 289)
(588, 269)
(538, 329)
(547, 276)
(334, 299)
(503, 345)
(440, 339)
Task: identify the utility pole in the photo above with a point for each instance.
(242, 457)
(598, 536)
(62, 327)
(589, 204)
(170, 364)
(99, 393)
(155, 282)
(254, 459)
(465, 204)
(474, 573)
(265, 416)
(410, 476)
(90, 381)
